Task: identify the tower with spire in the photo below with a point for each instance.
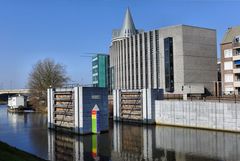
(128, 28)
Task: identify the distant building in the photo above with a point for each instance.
(100, 70)
(168, 58)
(230, 61)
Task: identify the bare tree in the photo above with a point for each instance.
(45, 73)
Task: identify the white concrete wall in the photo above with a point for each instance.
(212, 115)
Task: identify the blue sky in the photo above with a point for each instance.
(31, 30)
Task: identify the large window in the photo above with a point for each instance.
(228, 53)
(228, 65)
(228, 77)
(168, 62)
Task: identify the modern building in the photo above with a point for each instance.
(100, 70)
(230, 61)
(169, 58)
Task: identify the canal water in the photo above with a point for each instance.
(128, 142)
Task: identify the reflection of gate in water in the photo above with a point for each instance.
(132, 140)
(63, 147)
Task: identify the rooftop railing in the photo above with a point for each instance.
(236, 44)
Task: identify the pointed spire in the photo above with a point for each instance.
(128, 27)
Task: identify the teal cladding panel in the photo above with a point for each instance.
(101, 80)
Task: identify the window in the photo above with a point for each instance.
(228, 65)
(228, 90)
(168, 63)
(228, 78)
(227, 53)
(237, 39)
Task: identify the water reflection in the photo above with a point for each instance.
(123, 142)
(26, 131)
(133, 142)
(71, 147)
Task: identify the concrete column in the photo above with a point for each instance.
(81, 108)
(118, 104)
(134, 64)
(143, 62)
(144, 104)
(149, 104)
(124, 63)
(114, 65)
(161, 68)
(149, 62)
(118, 66)
(114, 104)
(130, 62)
(76, 109)
(139, 62)
(127, 63)
(121, 65)
(49, 106)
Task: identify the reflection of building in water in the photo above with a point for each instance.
(16, 119)
(132, 142)
(64, 147)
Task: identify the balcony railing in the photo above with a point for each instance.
(236, 57)
(236, 70)
(236, 44)
(236, 84)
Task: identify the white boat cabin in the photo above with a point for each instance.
(15, 102)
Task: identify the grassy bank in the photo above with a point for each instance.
(8, 153)
(3, 102)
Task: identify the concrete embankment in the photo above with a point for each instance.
(198, 114)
